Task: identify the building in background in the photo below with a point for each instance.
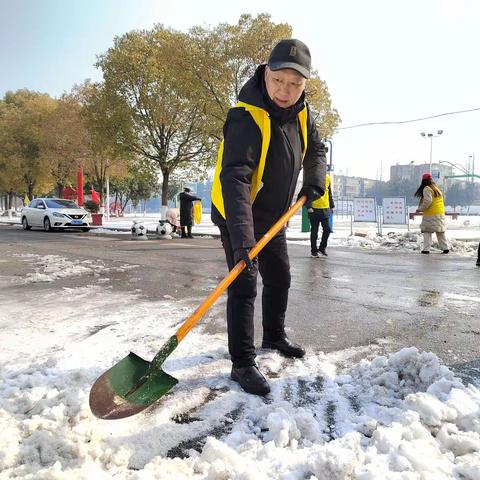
(412, 173)
(344, 186)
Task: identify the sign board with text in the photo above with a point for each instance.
(364, 209)
(394, 210)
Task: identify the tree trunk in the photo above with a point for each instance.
(166, 176)
(59, 189)
(101, 187)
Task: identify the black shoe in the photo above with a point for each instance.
(285, 346)
(251, 380)
(190, 236)
(425, 251)
(314, 255)
(446, 251)
(323, 252)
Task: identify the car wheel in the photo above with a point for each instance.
(85, 229)
(47, 225)
(25, 224)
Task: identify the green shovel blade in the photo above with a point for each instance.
(128, 387)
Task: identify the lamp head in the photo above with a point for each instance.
(422, 134)
(440, 132)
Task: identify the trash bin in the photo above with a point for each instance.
(305, 220)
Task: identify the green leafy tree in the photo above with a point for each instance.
(222, 59)
(163, 122)
(141, 183)
(23, 115)
(172, 90)
(65, 141)
(462, 194)
(394, 188)
(105, 156)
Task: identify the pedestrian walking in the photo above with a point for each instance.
(432, 206)
(478, 256)
(268, 136)
(319, 212)
(186, 212)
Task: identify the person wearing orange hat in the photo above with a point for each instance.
(433, 209)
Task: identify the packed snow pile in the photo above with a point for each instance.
(398, 241)
(402, 416)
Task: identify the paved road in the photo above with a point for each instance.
(352, 298)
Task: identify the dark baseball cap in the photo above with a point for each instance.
(291, 53)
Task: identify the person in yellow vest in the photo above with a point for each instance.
(268, 137)
(319, 213)
(433, 209)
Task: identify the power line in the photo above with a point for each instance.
(408, 121)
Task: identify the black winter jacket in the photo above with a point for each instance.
(186, 208)
(242, 147)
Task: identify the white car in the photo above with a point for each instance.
(50, 213)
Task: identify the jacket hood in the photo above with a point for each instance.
(255, 93)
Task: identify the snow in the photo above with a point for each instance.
(462, 234)
(402, 416)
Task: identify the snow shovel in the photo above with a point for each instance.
(133, 383)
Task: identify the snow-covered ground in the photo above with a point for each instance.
(403, 416)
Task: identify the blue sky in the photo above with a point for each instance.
(49, 45)
(383, 60)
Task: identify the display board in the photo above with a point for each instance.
(364, 209)
(394, 210)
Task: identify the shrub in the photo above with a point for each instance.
(91, 206)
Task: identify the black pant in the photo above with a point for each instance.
(478, 254)
(274, 268)
(316, 218)
(187, 231)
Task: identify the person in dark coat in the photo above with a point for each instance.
(186, 212)
(319, 213)
(269, 136)
(478, 256)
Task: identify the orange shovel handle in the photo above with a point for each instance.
(191, 321)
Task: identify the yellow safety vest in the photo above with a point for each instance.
(197, 213)
(262, 119)
(324, 200)
(436, 207)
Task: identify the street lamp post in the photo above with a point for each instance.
(431, 136)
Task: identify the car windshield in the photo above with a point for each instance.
(60, 203)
